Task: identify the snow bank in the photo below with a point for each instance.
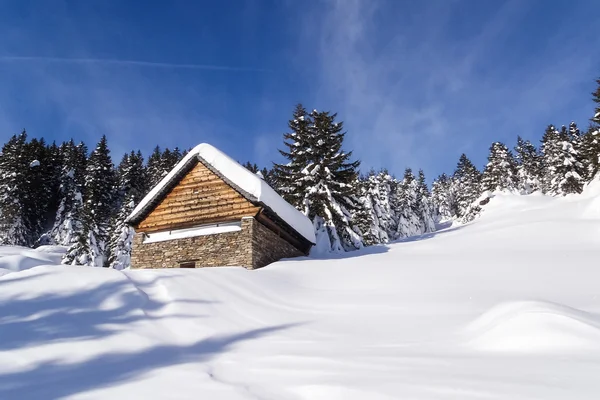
(245, 180)
(15, 258)
(535, 327)
(592, 192)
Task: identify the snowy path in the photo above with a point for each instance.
(505, 308)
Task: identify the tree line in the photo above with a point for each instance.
(65, 195)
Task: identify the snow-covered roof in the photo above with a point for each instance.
(247, 183)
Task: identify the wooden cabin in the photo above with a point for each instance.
(210, 211)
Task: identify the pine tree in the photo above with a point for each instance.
(99, 188)
(377, 220)
(443, 198)
(564, 172)
(68, 225)
(41, 188)
(365, 218)
(529, 166)
(122, 234)
(68, 214)
(551, 157)
(409, 223)
(251, 167)
(13, 167)
(572, 170)
(53, 168)
(591, 140)
(267, 176)
(154, 167)
(319, 178)
(131, 189)
(425, 207)
(500, 173)
(467, 185)
(290, 179)
(27, 191)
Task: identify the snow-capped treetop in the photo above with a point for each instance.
(243, 179)
(34, 163)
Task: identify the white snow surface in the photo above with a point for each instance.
(505, 307)
(245, 180)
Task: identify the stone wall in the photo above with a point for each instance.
(268, 247)
(223, 249)
(254, 246)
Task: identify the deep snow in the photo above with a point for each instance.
(506, 307)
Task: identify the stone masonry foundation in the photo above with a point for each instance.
(254, 246)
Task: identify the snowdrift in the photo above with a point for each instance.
(505, 307)
(535, 327)
(15, 258)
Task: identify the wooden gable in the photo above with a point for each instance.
(201, 197)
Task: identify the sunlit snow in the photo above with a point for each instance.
(506, 307)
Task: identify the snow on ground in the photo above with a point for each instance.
(507, 307)
(16, 258)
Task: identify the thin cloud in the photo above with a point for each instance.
(413, 94)
(137, 63)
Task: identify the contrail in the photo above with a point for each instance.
(138, 63)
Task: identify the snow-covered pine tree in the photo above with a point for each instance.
(564, 172)
(13, 170)
(100, 182)
(154, 167)
(319, 177)
(572, 171)
(377, 220)
(41, 188)
(121, 239)
(467, 185)
(529, 166)
(500, 173)
(576, 139)
(365, 218)
(160, 163)
(385, 205)
(290, 178)
(53, 173)
(591, 140)
(27, 189)
(68, 222)
(425, 206)
(409, 223)
(169, 159)
(131, 189)
(443, 198)
(551, 158)
(330, 176)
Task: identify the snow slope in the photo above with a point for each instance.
(507, 307)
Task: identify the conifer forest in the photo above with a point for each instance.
(72, 195)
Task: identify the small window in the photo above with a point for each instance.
(187, 264)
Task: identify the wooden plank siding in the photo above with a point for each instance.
(201, 197)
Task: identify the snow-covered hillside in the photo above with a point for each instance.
(507, 307)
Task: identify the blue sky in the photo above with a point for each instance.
(416, 83)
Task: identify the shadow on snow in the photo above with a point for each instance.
(75, 317)
(54, 379)
(57, 317)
